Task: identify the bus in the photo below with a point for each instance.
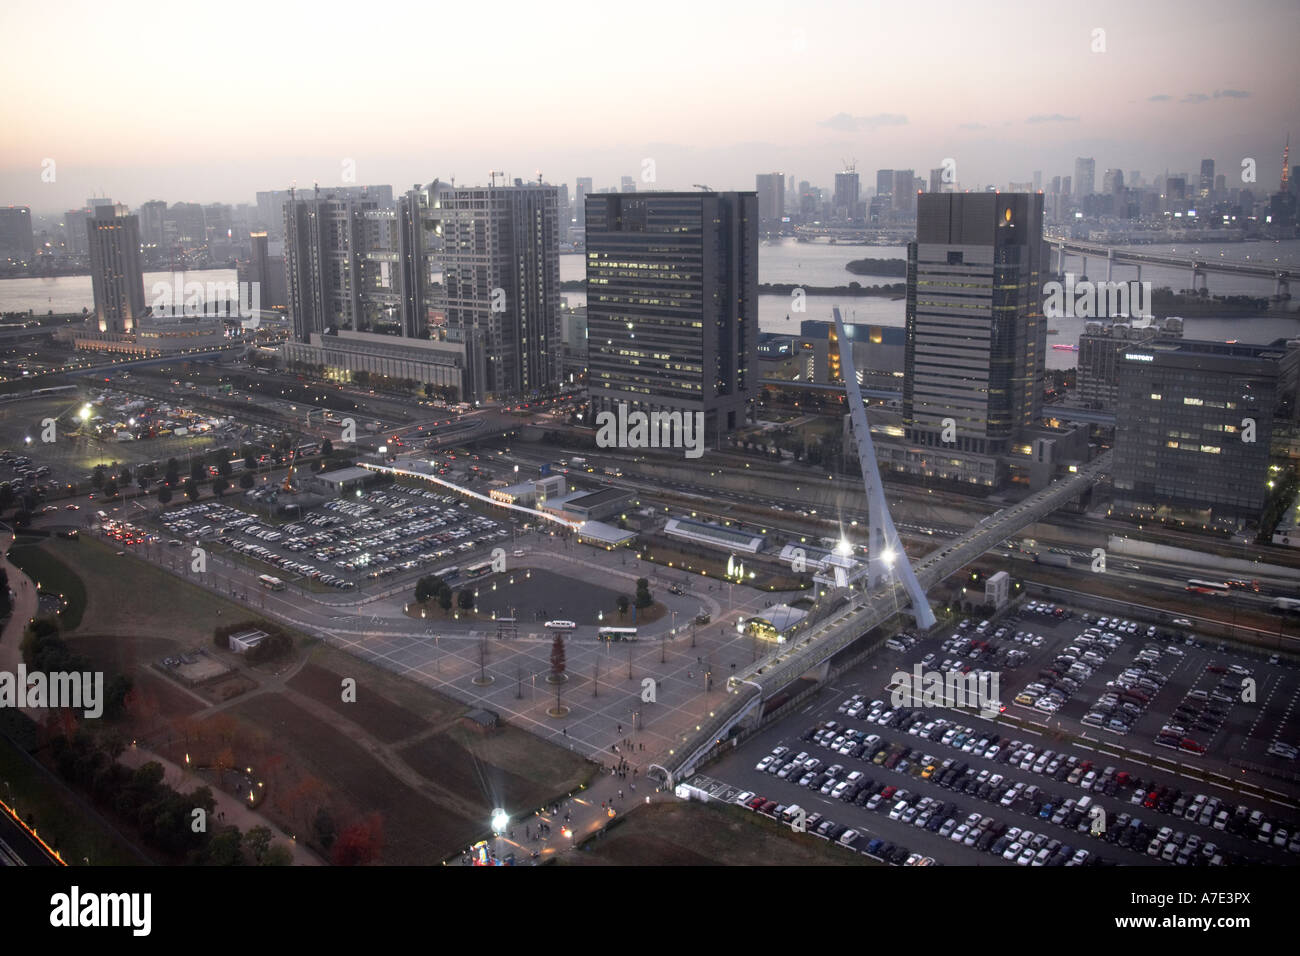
(478, 570)
(1207, 587)
(447, 575)
(1286, 605)
(270, 583)
(617, 633)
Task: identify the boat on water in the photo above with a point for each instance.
(1066, 348)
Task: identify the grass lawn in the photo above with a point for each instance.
(60, 820)
(52, 574)
(707, 834)
(127, 596)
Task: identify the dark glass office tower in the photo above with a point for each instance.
(976, 337)
(672, 304)
(1180, 441)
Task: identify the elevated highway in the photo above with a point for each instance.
(845, 615)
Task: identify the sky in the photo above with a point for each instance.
(142, 100)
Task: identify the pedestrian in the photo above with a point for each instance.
(620, 794)
(633, 786)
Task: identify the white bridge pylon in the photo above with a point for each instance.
(885, 554)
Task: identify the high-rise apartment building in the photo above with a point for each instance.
(848, 189)
(501, 282)
(672, 304)
(153, 216)
(627, 184)
(113, 241)
(1085, 177)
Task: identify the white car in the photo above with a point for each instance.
(763, 764)
(560, 625)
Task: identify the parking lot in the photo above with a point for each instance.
(908, 784)
(347, 543)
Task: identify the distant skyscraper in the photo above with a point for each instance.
(1085, 177)
(74, 231)
(628, 184)
(16, 241)
(904, 191)
(1038, 179)
(884, 182)
(501, 282)
(580, 201)
(847, 193)
(153, 216)
(976, 336)
(1056, 185)
(672, 304)
(1067, 186)
(113, 239)
(1112, 182)
(1206, 189)
(771, 198)
(936, 180)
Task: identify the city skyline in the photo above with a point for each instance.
(1150, 104)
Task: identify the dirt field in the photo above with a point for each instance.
(417, 829)
(700, 834)
(376, 714)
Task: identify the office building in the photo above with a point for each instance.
(771, 199)
(672, 305)
(1085, 177)
(1181, 448)
(976, 338)
(113, 241)
(1101, 352)
(16, 241)
(628, 184)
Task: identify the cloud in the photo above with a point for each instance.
(972, 126)
(1051, 118)
(1194, 98)
(852, 124)
(1232, 94)
(1159, 98)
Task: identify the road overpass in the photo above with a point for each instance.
(845, 615)
(1198, 266)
